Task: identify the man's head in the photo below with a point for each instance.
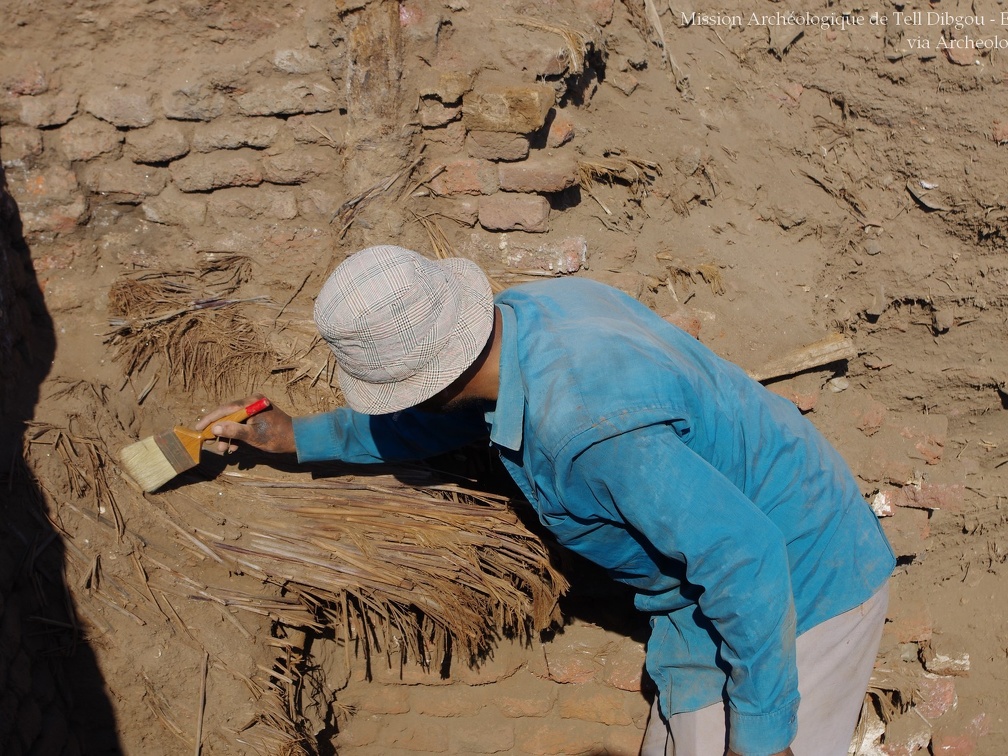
(403, 327)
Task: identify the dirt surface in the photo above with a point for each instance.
(765, 189)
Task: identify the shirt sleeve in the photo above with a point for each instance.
(347, 436)
(691, 513)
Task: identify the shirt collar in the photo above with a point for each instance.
(508, 415)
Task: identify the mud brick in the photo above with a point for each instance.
(380, 699)
(299, 61)
(192, 101)
(419, 736)
(576, 655)
(624, 81)
(957, 739)
(319, 128)
(905, 735)
(289, 98)
(51, 109)
(434, 114)
(158, 143)
(233, 133)
(907, 530)
(523, 701)
(551, 738)
(450, 701)
(447, 86)
(497, 145)
(19, 145)
(296, 167)
(127, 181)
(514, 212)
(507, 659)
(466, 177)
(217, 170)
(451, 137)
(122, 107)
(561, 130)
(999, 132)
(29, 722)
(625, 740)
(361, 730)
(938, 696)
(175, 208)
(483, 734)
(86, 138)
(594, 703)
(599, 11)
(242, 202)
(520, 110)
(318, 203)
(539, 174)
(624, 667)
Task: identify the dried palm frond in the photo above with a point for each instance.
(397, 569)
(682, 272)
(613, 167)
(576, 43)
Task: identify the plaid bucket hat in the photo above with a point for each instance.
(402, 326)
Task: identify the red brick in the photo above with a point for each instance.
(49, 200)
(466, 177)
(27, 79)
(561, 131)
(549, 174)
(514, 212)
(685, 320)
(952, 743)
(806, 401)
(937, 696)
(947, 496)
(872, 418)
(909, 622)
(497, 145)
(592, 703)
(930, 449)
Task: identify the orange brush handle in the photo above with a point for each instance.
(235, 417)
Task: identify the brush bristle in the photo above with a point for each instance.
(146, 464)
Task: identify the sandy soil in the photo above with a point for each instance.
(847, 180)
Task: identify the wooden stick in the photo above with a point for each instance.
(202, 703)
(833, 348)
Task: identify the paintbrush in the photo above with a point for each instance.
(154, 461)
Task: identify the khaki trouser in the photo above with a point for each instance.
(835, 661)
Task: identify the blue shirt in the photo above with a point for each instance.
(734, 520)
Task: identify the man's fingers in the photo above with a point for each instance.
(231, 430)
(225, 409)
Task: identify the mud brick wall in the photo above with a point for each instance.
(579, 693)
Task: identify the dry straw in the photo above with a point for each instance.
(397, 570)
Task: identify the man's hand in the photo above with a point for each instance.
(270, 430)
(786, 752)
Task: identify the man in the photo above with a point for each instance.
(762, 569)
